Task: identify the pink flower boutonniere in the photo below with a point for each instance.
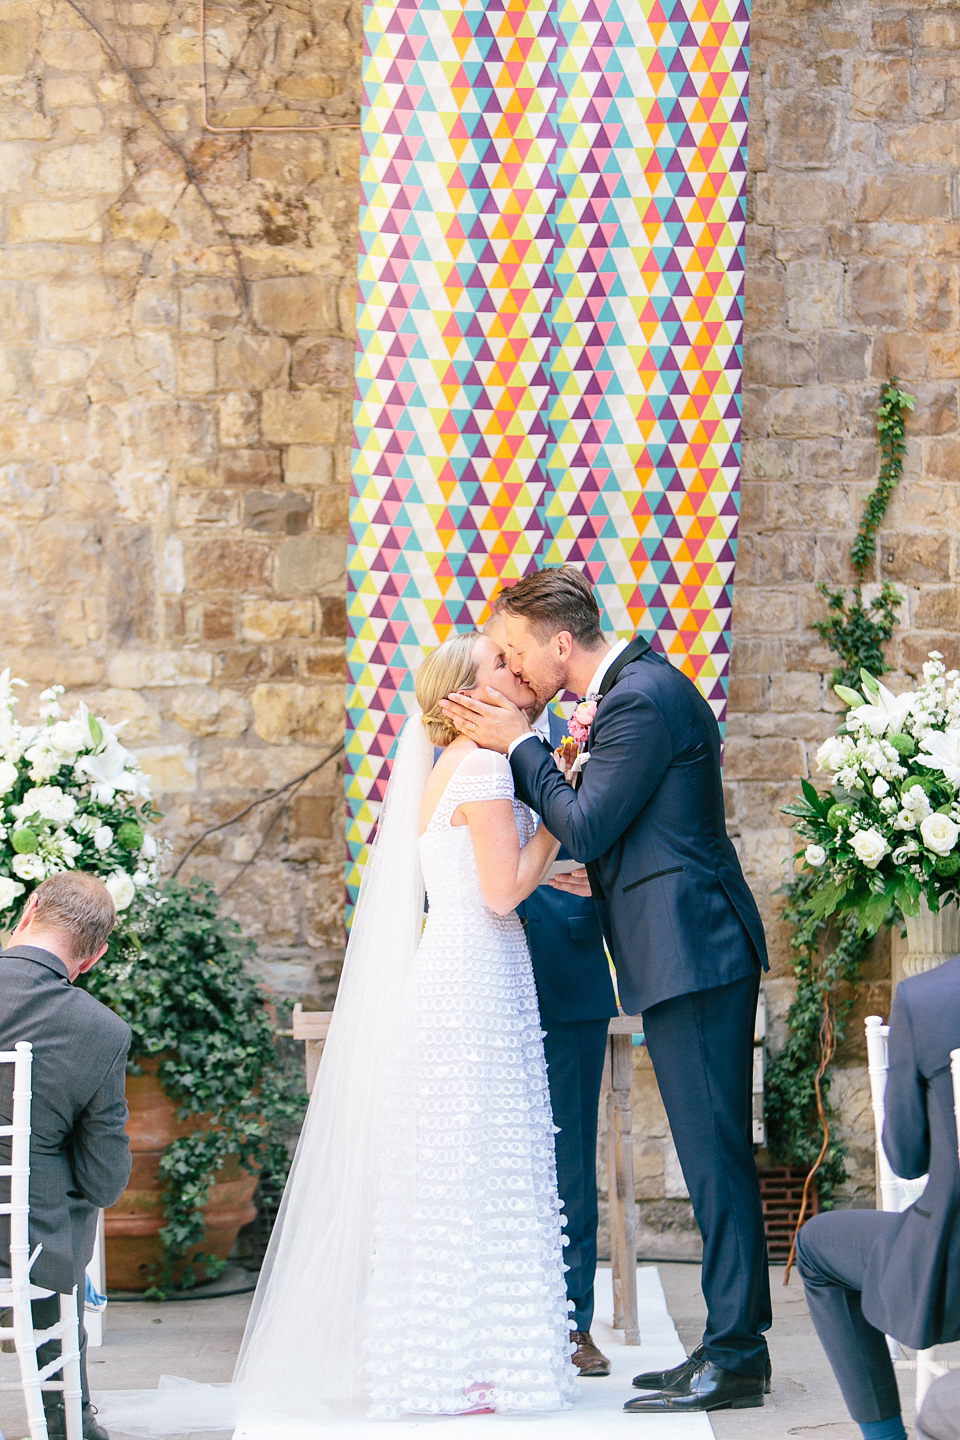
(571, 749)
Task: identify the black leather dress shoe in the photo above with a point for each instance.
(706, 1387)
(57, 1423)
(669, 1379)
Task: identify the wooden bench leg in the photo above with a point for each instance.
(621, 1064)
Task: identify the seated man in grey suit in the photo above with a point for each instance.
(79, 1152)
(870, 1273)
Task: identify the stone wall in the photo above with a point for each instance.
(175, 390)
(176, 311)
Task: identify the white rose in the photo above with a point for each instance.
(870, 847)
(9, 775)
(121, 888)
(904, 820)
(9, 890)
(67, 738)
(939, 833)
(29, 867)
(815, 855)
(880, 787)
(833, 752)
(103, 838)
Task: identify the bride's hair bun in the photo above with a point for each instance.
(450, 667)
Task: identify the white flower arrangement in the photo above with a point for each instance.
(887, 834)
(71, 797)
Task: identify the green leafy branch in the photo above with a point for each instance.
(828, 955)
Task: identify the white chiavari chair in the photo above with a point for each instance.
(16, 1292)
(893, 1192)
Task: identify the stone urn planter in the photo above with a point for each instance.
(932, 938)
(132, 1226)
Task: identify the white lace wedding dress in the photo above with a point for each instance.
(467, 1305)
(416, 1264)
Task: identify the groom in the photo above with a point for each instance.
(683, 928)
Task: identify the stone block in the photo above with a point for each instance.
(18, 40)
(844, 355)
(238, 420)
(935, 295)
(196, 366)
(96, 168)
(326, 662)
(790, 558)
(941, 459)
(139, 716)
(14, 162)
(251, 362)
(65, 222)
(804, 131)
(218, 620)
(940, 31)
(331, 510)
(250, 467)
(226, 564)
(203, 507)
(929, 94)
(760, 612)
(310, 714)
(748, 693)
(914, 559)
(814, 294)
(829, 459)
(272, 514)
(327, 362)
(144, 669)
(914, 651)
(937, 609)
(878, 294)
(881, 87)
(935, 409)
(904, 197)
(891, 34)
(155, 303)
(815, 505)
(18, 312)
(313, 816)
(299, 417)
(268, 620)
(778, 360)
(295, 304)
(205, 711)
(770, 459)
(235, 767)
(932, 143)
(334, 616)
(307, 564)
(210, 306)
(800, 200)
(814, 410)
(307, 465)
(80, 310)
(765, 297)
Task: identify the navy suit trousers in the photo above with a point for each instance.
(701, 1046)
(574, 1051)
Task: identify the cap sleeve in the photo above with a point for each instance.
(483, 775)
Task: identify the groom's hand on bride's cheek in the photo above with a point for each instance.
(493, 722)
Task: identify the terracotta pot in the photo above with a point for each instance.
(133, 1225)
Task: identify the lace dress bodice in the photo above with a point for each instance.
(446, 850)
(467, 1306)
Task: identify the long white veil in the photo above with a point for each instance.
(303, 1345)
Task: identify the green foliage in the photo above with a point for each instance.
(790, 1103)
(828, 957)
(185, 992)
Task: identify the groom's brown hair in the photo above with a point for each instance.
(554, 600)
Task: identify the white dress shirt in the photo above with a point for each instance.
(592, 689)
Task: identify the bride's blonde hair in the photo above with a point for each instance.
(450, 667)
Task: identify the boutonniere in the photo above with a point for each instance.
(571, 748)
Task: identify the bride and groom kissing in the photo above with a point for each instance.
(417, 1262)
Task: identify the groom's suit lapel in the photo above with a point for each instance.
(637, 647)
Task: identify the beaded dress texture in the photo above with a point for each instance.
(467, 1306)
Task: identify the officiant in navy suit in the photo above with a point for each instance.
(576, 1001)
(647, 819)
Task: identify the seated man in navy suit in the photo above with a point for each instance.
(870, 1273)
(576, 1001)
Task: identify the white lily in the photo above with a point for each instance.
(943, 753)
(887, 712)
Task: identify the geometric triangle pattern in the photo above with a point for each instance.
(549, 330)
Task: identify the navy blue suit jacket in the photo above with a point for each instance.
(648, 822)
(912, 1286)
(566, 945)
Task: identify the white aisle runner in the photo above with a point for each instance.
(599, 1408)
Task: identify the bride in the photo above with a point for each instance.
(416, 1265)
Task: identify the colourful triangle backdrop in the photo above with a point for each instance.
(549, 331)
